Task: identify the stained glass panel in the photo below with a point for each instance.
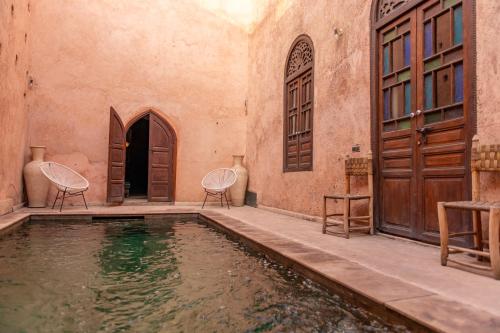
(449, 3)
(407, 98)
(387, 115)
(389, 35)
(428, 88)
(387, 68)
(396, 97)
(432, 117)
(428, 39)
(457, 26)
(404, 76)
(459, 83)
(404, 124)
(407, 49)
(430, 65)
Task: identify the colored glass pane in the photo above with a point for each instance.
(432, 117)
(433, 64)
(449, 3)
(388, 36)
(454, 113)
(459, 83)
(404, 76)
(457, 26)
(428, 88)
(387, 115)
(387, 68)
(428, 39)
(404, 124)
(407, 49)
(396, 95)
(407, 98)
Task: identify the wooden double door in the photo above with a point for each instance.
(424, 100)
(161, 159)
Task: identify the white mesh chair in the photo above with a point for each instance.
(68, 182)
(217, 182)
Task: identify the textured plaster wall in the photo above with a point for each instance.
(341, 105)
(176, 57)
(488, 92)
(342, 96)
(14, 66)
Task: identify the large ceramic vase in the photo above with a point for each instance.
(239, 188)
(37, 185)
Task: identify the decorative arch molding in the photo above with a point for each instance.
(386, 7)
(300, 57)
(138, 114)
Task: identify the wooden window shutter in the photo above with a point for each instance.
(116, 158)
(298, 106)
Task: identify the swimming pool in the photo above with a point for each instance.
(166, 275)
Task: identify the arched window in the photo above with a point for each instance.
(298, 106)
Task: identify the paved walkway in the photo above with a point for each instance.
(392, 261)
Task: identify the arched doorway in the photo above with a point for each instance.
(142, 157)
(137, 156)
(423, 111)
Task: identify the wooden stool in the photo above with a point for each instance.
(485, 158)
(353, 167)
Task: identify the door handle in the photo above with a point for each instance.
(419, 112)
(423, 132)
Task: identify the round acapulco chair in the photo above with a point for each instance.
(67, 181)
(217, 182)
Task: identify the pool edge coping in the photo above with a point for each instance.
(412, 311)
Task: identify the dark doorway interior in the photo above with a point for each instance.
(136, 170)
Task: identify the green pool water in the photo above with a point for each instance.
(167, 275)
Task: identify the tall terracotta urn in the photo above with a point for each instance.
(37, 185)
(239, 188)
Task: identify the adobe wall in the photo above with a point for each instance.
(186, 62)
(342, 96)
(341, 99)
(14, 66)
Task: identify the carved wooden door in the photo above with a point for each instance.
(116, 158)
(424, 110)
(162, 146)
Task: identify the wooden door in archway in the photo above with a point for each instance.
(161, 158)
(424, 94)
(161, 175)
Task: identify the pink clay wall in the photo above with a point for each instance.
(342, 96)
(196, 66)
(14, 43)
(187, 63)
(341, 104)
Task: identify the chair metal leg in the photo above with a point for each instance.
(84, 201)
(55, 200)
(62, 201)
(204, 201)
(227, 202)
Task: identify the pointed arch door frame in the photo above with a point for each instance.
(161, 162)
(384, 13)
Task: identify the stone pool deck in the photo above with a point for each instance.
(402, 277)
